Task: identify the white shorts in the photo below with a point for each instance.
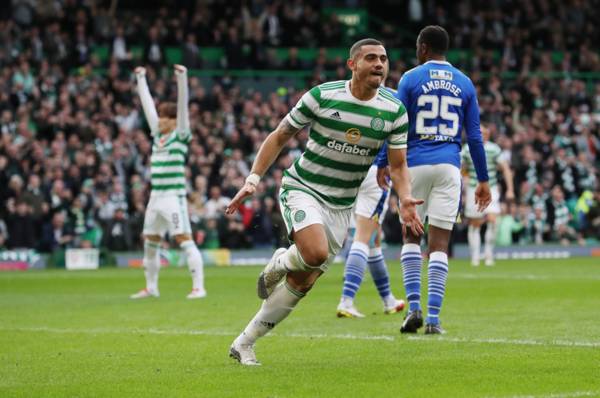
(439, 185)
(372, 201)
(301, 209)
(471, 207)
(167, 213)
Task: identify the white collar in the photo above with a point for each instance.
(349, 92)
(433, 61)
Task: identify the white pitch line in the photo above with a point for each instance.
(347, 336)
(175, 332)
(573, 394)
(524, 277)
(171, 332)
(555, 343)
(521, 277)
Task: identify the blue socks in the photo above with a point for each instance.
(437, 275)
(355, 269)
(379, 273)
(411, 274)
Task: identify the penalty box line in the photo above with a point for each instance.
(324, 336)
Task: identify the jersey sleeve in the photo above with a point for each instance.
(183, 119)
(147, 103)
(474, 139)
(399, 134)
(306, 109)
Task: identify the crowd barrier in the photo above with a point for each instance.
(21, 260)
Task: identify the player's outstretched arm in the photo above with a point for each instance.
(183, 119)
(146, 99)
(267, 153)
(401, 184)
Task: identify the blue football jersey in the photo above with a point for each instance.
(440, 101)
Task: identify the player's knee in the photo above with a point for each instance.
(315, 256)
(476, 222)
(152, 238)
(180, 239)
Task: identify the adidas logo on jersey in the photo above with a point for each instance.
(335, 115)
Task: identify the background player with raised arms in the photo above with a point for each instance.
(440, 102)
(349, 122)
(476, 218)
(167, 209)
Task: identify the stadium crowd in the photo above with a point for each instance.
(74, 150)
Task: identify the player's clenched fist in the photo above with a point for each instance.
(180, 68)
(140, 70)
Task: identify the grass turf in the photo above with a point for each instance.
(522, 328)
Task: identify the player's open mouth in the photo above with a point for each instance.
(377, 73)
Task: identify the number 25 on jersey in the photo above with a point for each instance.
(440, 109)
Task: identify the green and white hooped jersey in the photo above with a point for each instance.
(344, 138)
(492, 157)
(167, 163)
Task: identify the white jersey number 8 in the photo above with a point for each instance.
(442, 111)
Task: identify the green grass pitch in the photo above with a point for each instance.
(519, 329)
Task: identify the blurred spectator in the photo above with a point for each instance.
(119, 49)
(34, 197)
(232, 233)
(593, 216)
(191, 53)
(20, 225)
(233, 46)
(216, 203)
(136, 224)
(3, 235)
(154, 52)
(293, 62)
(56, 234)
(105, 208)
(117, 234)
(508, 225)
(209, 235)
(261, 225)
(538, 229)
(272, 25)
(559, 218)
(81, 221)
